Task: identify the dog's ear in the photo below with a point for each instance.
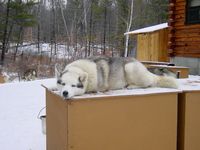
(83, 77)
(57, 71)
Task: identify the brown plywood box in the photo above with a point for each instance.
(148, 63)
(189, 121)
(138, 121)
(189, 115)
(181, 71)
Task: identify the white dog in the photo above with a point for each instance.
(107, 73)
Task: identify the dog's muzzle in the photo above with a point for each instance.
(65, 94)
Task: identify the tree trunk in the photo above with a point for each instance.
(53, 35)
(86, 26)
(104, 31)
(90, 32)
(38, 28)
(128, 29)
(5, 32)
(18, 42)
(9, 34)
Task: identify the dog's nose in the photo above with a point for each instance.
(65, 93)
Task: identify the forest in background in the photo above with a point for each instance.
(83, 27)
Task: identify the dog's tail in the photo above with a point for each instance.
(166, 82)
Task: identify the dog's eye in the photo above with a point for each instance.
(80, 85)
(73, 85)
(63, 84)
(59, 82)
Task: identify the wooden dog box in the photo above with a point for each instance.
(148, 63)
(189, 115)
(132, 120)
(181, 71)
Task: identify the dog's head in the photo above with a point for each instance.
(71, 82)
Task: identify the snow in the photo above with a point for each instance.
(45, 49)
(20, 103)
(148, 29)
(190, 84)
(125, 92)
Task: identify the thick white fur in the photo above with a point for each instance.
(86, 67)
(136, 76)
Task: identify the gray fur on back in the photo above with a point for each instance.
(110, 70)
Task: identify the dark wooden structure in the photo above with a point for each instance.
(184, 28)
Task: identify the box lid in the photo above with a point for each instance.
(191, 84)
(124, 92)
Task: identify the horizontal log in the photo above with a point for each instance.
(182, 1)
(188, 48)
(186, 27)
(181, 11)
(171, 4)
(195, 32)
(179, 24)
(185, 44)
(192, 39)
(179, 16)
(180, 4)
(186, 52)
(179, 8)
(187, 35)
(186, 55)
(170, 12)
(181, 20)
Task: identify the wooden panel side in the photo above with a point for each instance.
(56, 121)
(143, 52)
(192, 121)
(131, 122)
(152, 46)
(163, 47)
(181, 122)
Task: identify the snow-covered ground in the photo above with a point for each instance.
(20, 103)
(62, 50)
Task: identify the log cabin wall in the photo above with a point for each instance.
(184, 37)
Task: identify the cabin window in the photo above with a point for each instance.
(193, 12)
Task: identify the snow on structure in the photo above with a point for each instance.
(148, 29)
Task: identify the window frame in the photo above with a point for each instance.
(188, 11)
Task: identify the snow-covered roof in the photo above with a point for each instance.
(148, 29)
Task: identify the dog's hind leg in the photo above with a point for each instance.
(138, 76)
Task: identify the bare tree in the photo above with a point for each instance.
(64, 20)
(85, 11)
(128, 29)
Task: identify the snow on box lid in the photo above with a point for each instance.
(168, 66)
(191, 84)
(126, 92)
(149, 29)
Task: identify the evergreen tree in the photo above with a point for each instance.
(16, 15)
